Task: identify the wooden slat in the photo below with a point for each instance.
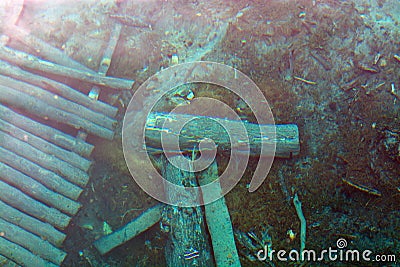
(59, 102)
(48, 178)
(32, 242)
(45, 230)
(21, 255)
(57, 87)
(47, 161)
(40, 108)
(21, 201)
(46, 147)
(46, 132)
(37, 190)
(25, 60)
(44, 49)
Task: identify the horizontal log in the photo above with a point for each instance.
(218, 221)
(43, 49)
(46, 147)
(57, 88)
(47, 161)
(21, 255)
(46, 132)
(39, 228)
(130, 230)
(42, 109)
(21, 201)
(59, 102)
(31, 62)
(199, 127)
(32, 242)
(37, 190)
(48, 178)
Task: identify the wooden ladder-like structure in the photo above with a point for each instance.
(44, 155)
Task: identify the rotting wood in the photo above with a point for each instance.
(42, 109)
(21, 255)
(187, 243)
(50, 179)
(43, 49)
(46, 147)
(286, 136)
(130, 230)
(57, 88)
(39, 228)
(218, 220)
(21, 201)
(47, 161)
(59, 102)
(37, 190)
(31, 242)
(25, 60)
(46, 132)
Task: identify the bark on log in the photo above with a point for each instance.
(187, 244)
(39, 228)
(21, 255)
(46, 147)
(47, 161)
(31, 242)
(37, 190)
(21, 201)
(59, 102)
(25, 60)
(130, 230)
(218, 221)
(4, 262)
(50, 179)
(44, 50)
(286, 138)
(57, 88)
(42, 109)
(46, 132)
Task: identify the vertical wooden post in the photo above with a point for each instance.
(188, 241)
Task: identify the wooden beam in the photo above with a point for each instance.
(140, 224)
(199, 127)
(46, 132)
(57, 88)
(25, 60)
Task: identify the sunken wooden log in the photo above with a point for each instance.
(286, 139)
(35, 226)
(50, 134)
(59, 102)
(187, 244)
(4, 262)
(109, 51)
(43, 49)
(25, 60)
(46, 147)
(31, 242)
(47, 161)
(21, 255)
(57, 88)
(48, 178)
(21, 201)
(130, 230)
(37, 190)
(36, 106)
(219, 221)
